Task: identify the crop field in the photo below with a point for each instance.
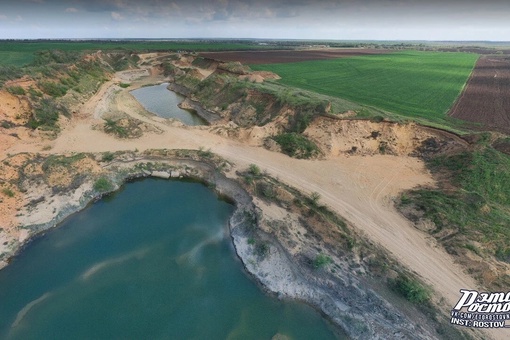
(486, 98)
(270, 57)
(419, 85)
(19, 53)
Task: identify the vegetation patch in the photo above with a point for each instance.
(296, 145)
(413, 84)
(321, 261)
(54, 161)
(107, 156)
(8, 192)
(476, 208)
(103, 185)
(46, 113)
(411, 289)
(16, 90)
(113, 127)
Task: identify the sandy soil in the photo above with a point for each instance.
(361, 189)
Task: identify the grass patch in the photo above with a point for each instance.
(54, 161)
(46, 114)
(113, 127)
(53, 89)
(484, 172)
(296, 145)
(16, 90)
(411, 83)
(8, 192)
(479, 210)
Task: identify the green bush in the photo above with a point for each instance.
(8, 192)
(261, 249)
(112, 127)
(300, 121)
(321, 260)
(254, 170)
(46, 114)
(410, 289)
(296, 145)
(108, 156)
(53, 89)
(102, 184)
(204, 153)
(16, 90)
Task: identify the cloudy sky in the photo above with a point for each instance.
(278, 19)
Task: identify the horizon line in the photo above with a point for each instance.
(254, 39)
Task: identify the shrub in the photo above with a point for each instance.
(410, 289)
(53, 89)
(254, 170)
(8, 192)
(261, 249)
(296, 145)
(377, 119)
(102, 184)
(314, 199)
(107, 156)
(321, 260)
(46, 114)
(300, 121)
(16, 90)
(204, 153)
(503, 254)
(111, 126)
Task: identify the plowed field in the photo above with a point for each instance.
(486, 97)
(290, 56)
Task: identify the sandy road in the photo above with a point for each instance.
(358, 188)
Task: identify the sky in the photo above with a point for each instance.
(462, 20)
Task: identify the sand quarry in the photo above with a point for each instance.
(361, 188)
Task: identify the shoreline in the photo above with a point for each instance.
(277, 274)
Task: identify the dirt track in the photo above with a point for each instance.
(359, 188)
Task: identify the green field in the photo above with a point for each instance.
(410, 83)
(19, 53)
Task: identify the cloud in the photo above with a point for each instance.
(3, 17)
(71, 10)
(117, 16)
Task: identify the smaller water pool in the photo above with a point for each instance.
(163, 102)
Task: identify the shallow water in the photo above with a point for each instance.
(154, 261)
(163, 102)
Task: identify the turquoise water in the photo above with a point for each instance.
(163, 102)
(154, 261)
